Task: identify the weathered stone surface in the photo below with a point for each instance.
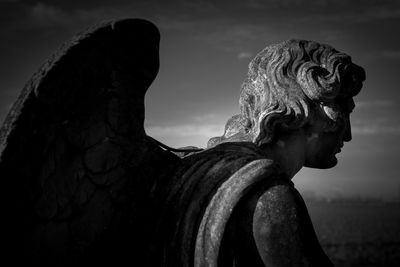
(102, 157)
(85, 185)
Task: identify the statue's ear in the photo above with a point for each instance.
(268, 126)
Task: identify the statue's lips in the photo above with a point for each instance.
(339, 148)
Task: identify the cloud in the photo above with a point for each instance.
(166, 15)
(7, 107)
(382, 13)
(337, 11)
(256, 4)
(186, 130)
(43, 15)
(244, 55)
(383, 54)
(232, 36)
(379, 103)
(174, 14)
(391, 54)
(376, 126)
(372, 129)
(326, 10)
(185, 134)
(382, 122)
(205, 117)
(216, 22)
(198, 5)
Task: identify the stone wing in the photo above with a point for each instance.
(76, 166)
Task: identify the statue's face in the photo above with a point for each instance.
(323, 143)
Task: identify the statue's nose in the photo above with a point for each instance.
(347, 134)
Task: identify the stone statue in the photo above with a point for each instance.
(84, 184)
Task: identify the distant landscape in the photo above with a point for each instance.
(357, 231)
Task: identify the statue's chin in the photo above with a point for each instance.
(322, 163)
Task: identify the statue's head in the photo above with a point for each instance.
(292, 85)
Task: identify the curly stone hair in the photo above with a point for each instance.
(285, 81)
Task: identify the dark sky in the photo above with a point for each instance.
(205, 49)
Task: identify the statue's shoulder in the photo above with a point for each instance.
(230, 152)
(234, 171)
(223, 160)
(283, 228)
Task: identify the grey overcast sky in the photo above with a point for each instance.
(205, 49)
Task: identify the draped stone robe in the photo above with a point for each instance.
(193, 205)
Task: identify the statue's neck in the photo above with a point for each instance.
(288, 151)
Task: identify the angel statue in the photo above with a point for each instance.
(83, 184)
